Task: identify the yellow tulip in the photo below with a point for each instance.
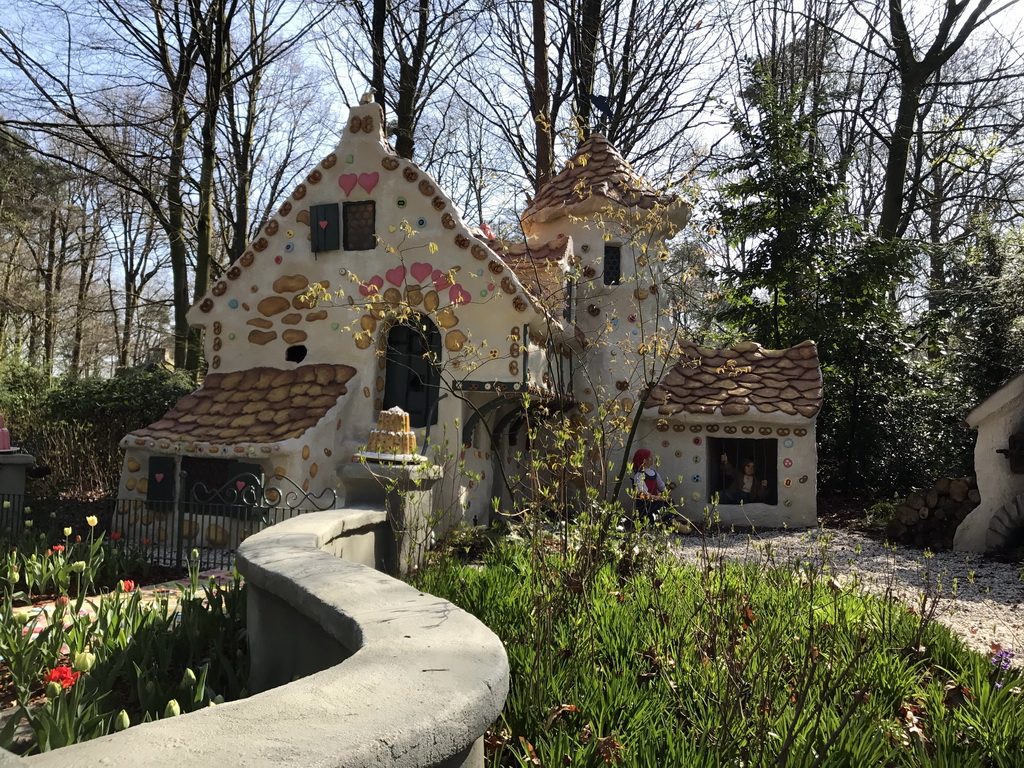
(92, 521)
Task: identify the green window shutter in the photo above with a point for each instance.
(162, 481)
(325, 232)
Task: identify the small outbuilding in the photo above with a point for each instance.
(718, 410)
(998, 520)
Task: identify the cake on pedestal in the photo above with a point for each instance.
(393, 439)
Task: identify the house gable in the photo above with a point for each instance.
(425, 260)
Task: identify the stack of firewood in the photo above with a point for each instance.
(930, 518)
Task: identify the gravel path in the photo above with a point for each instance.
(986, 607)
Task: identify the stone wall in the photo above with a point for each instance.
(930, 517)
(387, 675)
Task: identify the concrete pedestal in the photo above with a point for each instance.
(12, 489)
(406, 491)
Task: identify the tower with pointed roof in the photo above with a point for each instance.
(618, 224)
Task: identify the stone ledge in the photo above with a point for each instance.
(423, 682)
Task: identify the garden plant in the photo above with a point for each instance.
(107, 659)
(625, 655)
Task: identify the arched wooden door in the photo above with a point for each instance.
(411, 374)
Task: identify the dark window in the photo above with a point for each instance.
(360, 226)
(220, 486)
(739, 452)
(324, 229)
(295, 354)
(612, 265)
(411, 376)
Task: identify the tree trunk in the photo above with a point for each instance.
(541, 98)
(380, 14)
(585, 62)
(889, 222)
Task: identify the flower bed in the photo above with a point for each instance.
(105, 661)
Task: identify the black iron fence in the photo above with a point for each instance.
(208, 522)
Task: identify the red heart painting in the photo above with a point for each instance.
(323, 225)
(239, 484)
(421, 270)
(348, 181)
(459, 295)
(440, 279)
(396, 276)
(368, 180)
(159, 477)
(372, 286)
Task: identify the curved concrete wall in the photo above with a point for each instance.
(420, 682)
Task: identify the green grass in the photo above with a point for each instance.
(653, 663)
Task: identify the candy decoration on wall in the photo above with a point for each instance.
(788, 442)
(803, 478)
(696, 478)
(787, 463)
(698, 440)
(788, 482)
(696, 459)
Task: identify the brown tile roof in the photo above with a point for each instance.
(742, 378)
(258, 405)
(596, 170)
(540, 267)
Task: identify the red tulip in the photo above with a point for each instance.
(65, 676)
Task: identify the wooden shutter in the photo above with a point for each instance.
(325, 232)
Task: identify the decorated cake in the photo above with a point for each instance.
(393, 434)
(5, 435)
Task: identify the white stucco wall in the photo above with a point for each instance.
(996, 419)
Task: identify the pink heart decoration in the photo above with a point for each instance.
(239, 484)
(371, 287)
(421, 271)
(323, 225)
(440, 279)
(368, 180)
(396, 276)
(348, 181)
(159, 477)
(459, 295)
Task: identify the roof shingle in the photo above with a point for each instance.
(258, 405)
(742, 378)
(597, 170)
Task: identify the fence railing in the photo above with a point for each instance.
(212, 521)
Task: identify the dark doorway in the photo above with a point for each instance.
(411, 376)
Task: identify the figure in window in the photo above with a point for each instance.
(742, 485)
